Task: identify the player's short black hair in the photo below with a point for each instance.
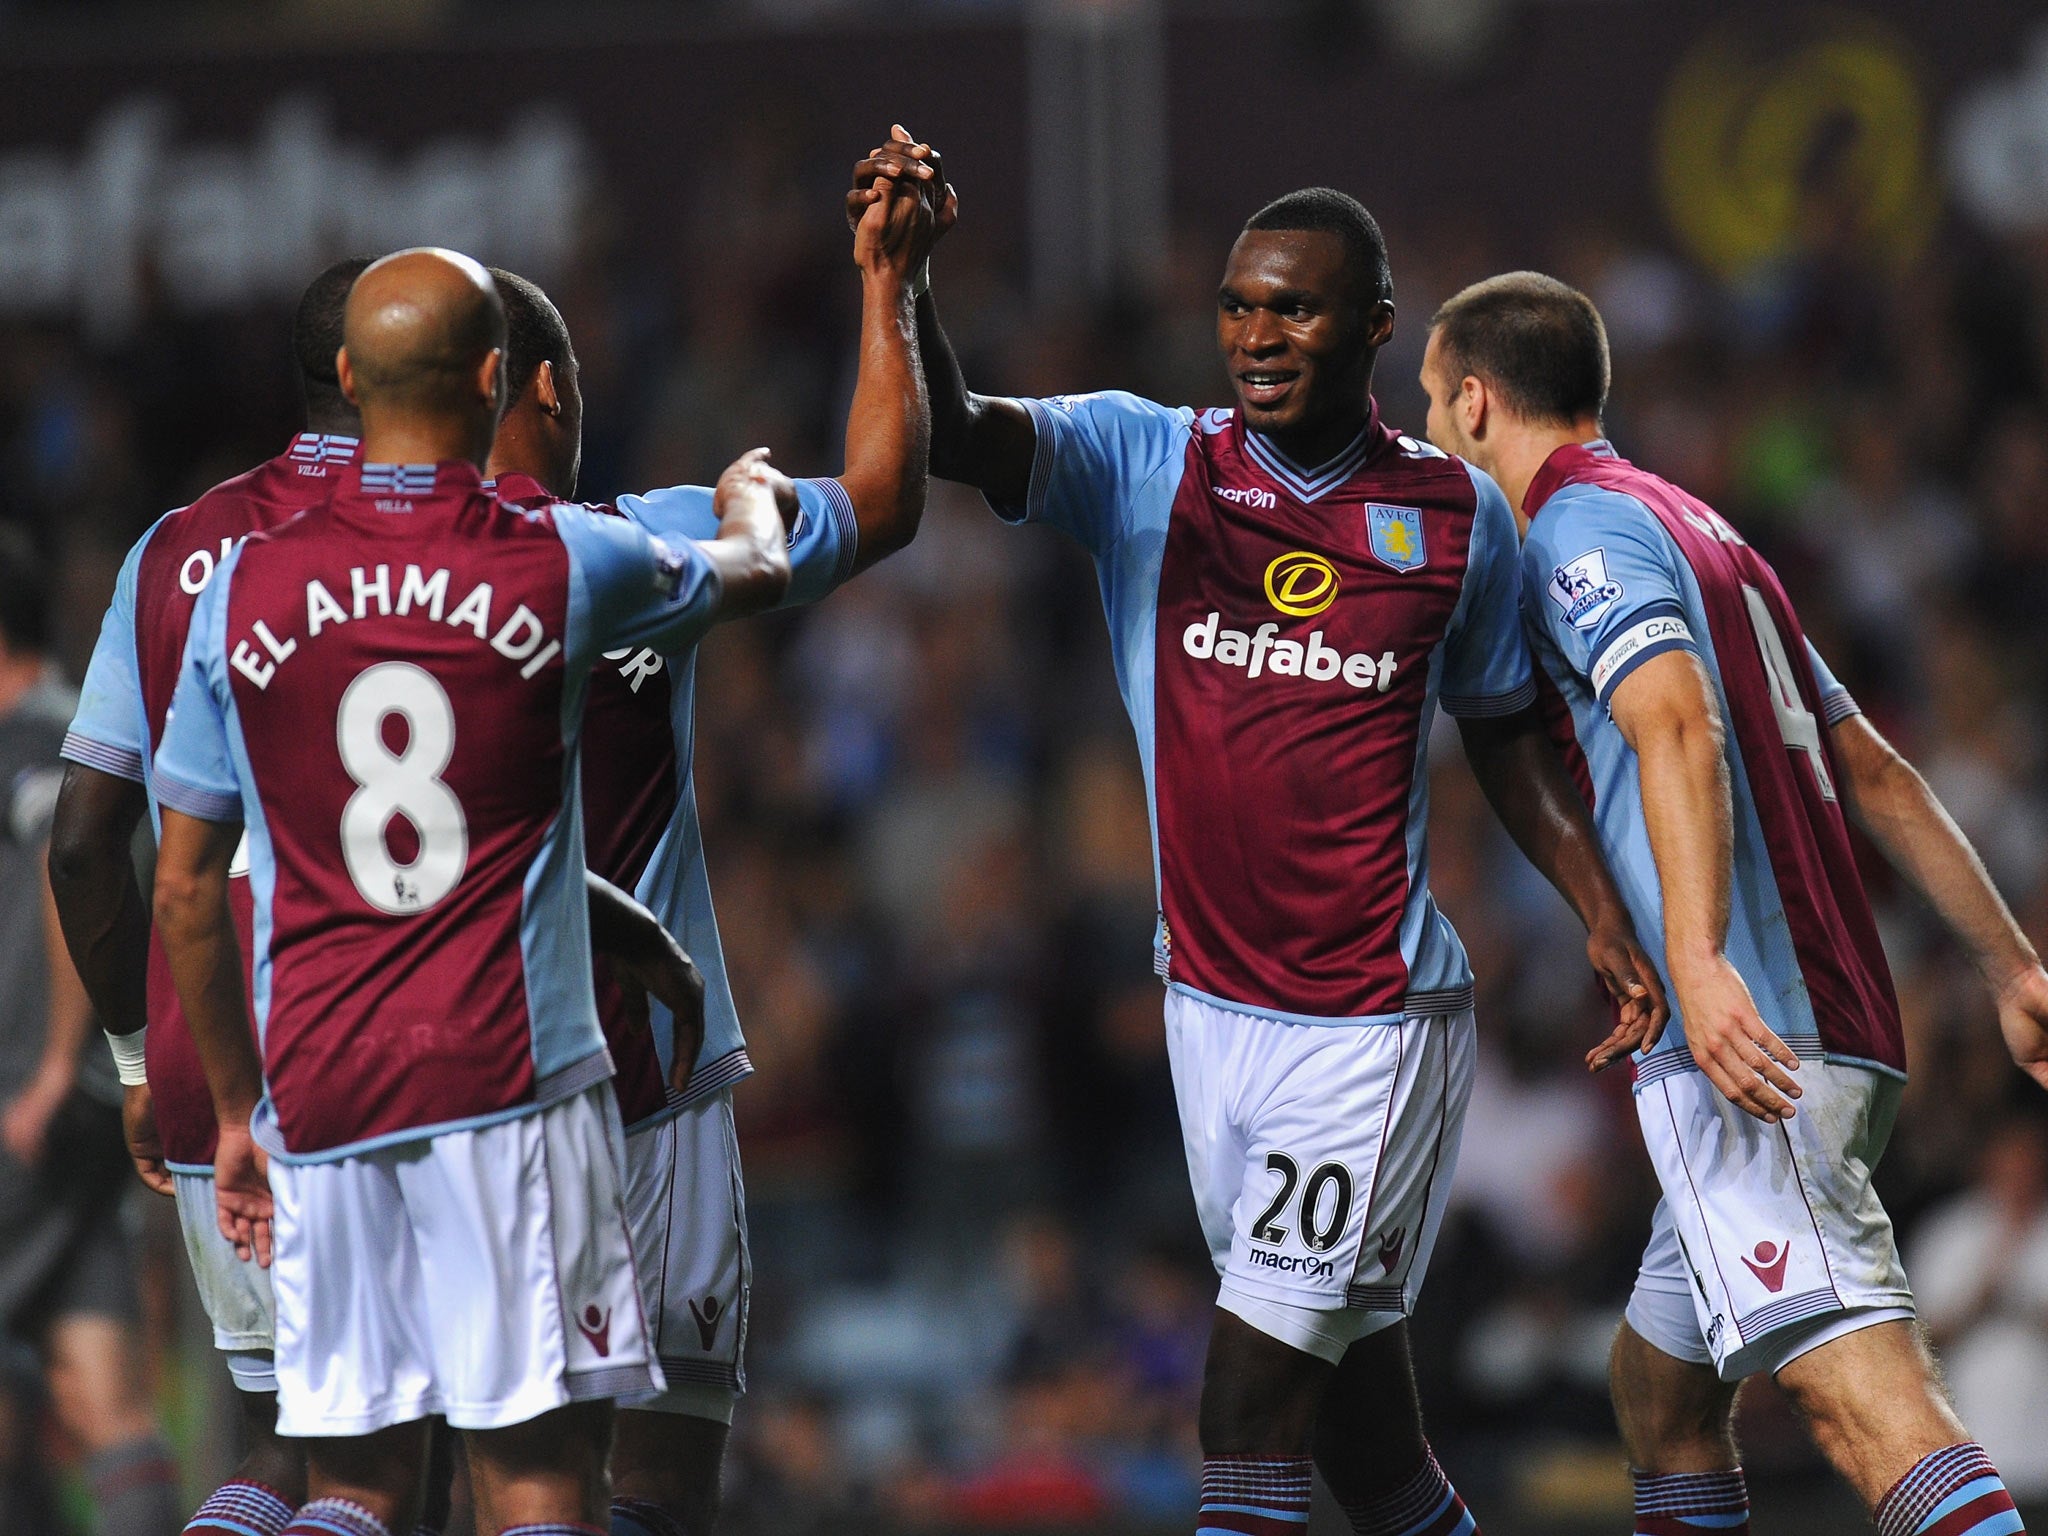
(24, 594)
(316, 328)
(1538, 341)
(1342, 215)
(535, 332)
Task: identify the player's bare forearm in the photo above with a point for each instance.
(642, 953)
(198, 933)
(99, 901)
(888, 428)
(1667, 714)
(981, 440)
(1525, 782)
(1893, 804)
(751, 550)
(67, 1008)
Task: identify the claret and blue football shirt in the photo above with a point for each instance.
(1620, 567)
(388, 693)
(1283, 634)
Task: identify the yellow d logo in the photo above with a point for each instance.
(1301, 585)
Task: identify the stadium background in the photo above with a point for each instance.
(1820, 239)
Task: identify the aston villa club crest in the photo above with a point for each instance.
(1395, 535)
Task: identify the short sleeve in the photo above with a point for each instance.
(108, 732)
(195, 767)
(1600, 581)
(636, 589)
(1094, 453)
(1487, 671)
(822, 545)
(1836, 702)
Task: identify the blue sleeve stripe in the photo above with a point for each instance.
(1033, 509)
(1660, 610)
(190, 800)
(1647, 653)
(1489, 706)
(104, 756)
(840, 506)
(1839, 706)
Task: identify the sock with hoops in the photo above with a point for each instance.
(1953, 1492)
(553, 1528)
(1254, 1496)
(1425, 1505)
(240, 1508)
(335, 1517)
(638, 1517)
(1691, 1503)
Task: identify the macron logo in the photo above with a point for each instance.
(1247, 496)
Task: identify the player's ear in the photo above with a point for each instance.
(1379, 323)
(490, 378)
(544, 392)
(347, 375)
(1475, 404)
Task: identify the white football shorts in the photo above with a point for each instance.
(1770, 1240)
(1321, 1158)
(235, 1292)
(688, 1211)
(485, 1275)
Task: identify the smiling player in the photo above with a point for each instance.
(1723, 803)
(1291, 587)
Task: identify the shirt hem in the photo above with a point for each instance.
(709, 1080)
(1416, 1005)
(548, 1091)
(191, 800)
(1488, 706)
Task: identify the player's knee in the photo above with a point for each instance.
(1671, 1414)
(1259, 1396)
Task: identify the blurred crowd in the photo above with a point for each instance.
(979, 1290)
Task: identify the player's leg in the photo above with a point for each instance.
(269, 1482)
(686, 1205)
(1675, 1413)
(534, 1321)
(94, 1366)
(1321, 1159)
(364, 1485)
(666, 1472)
(1877, 1411)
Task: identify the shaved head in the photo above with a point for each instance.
(420, 324)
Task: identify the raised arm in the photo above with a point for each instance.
(1525, 782)
(984, 441)
(1892, 803)
(888, 427)
(1666, 711)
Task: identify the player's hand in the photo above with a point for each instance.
(904, 163)
(1631, 980)
(671, 977)
(241, 1192)
(138, 1127)
(2023, 1020)
(1733, 1045)
(749, 477)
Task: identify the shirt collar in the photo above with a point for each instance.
(1565, 464)
(1314, 484)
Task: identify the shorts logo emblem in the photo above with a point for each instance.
(707, 1319)
(1390, 1247)
(1769, 1265)
(596, 1326)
